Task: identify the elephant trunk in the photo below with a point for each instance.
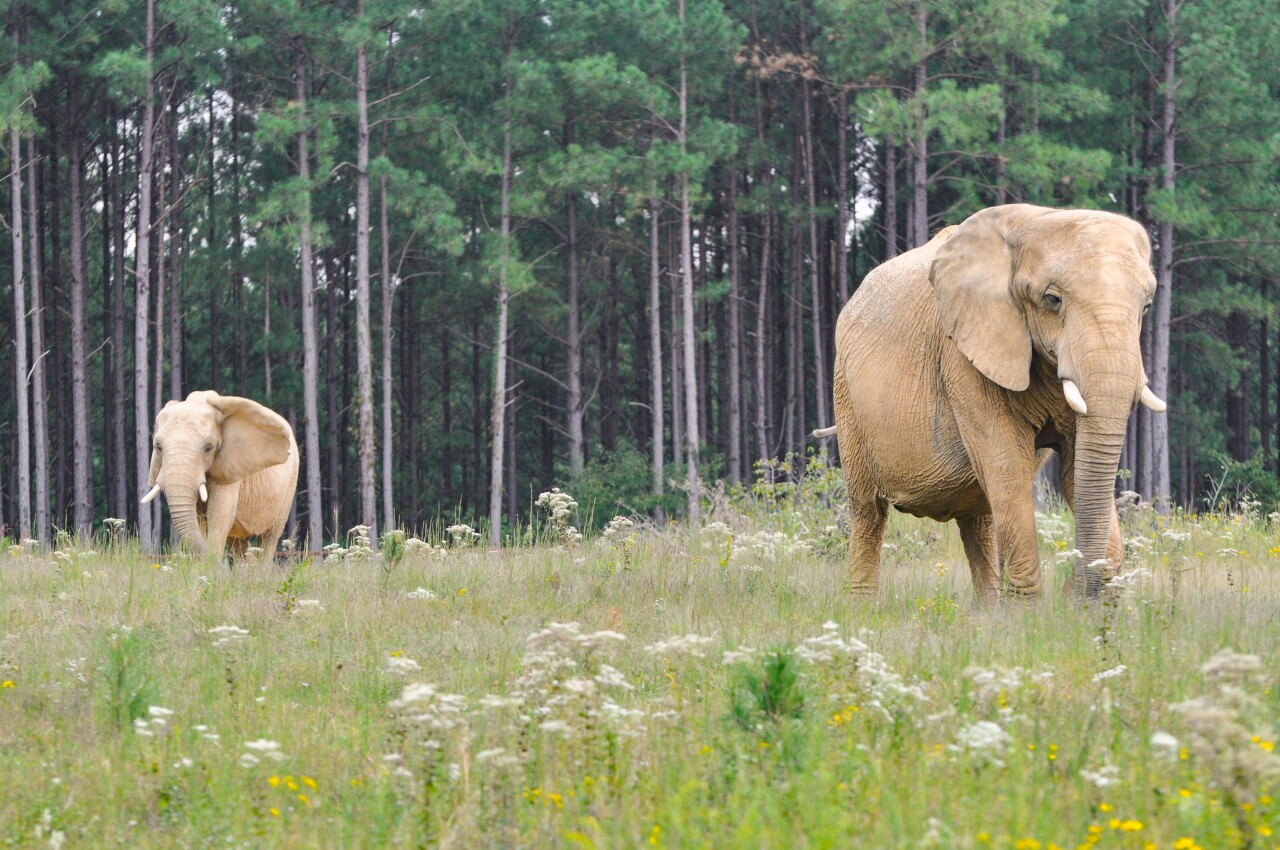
(1110, 393)
(186, 521)
(181, 477)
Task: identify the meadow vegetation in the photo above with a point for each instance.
(671, 687)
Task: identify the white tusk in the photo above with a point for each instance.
(1152, 401)
(151, 494)
(204, 492)
(1072, 392)
(823, 433)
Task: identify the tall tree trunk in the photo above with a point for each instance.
(39, 385)
(82, 480)
(497, 416)
(23, 496)
(675, 341)
(364, 341)
(821, 391)
(1238, 443)
(142, 297)
(842, 198)
(1162, 313)
(890, 200)
(1264, 383)
(331, 395)
(920, 157)
(176, 232)
(388, 293)
(656, 411)
(761, 393)
(573, 331)
(215, 296)
(734, 459)
(686, 272)
(121, 505)
(388, 287)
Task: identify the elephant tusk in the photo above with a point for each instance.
(1152, 401)
(823, 433)
(151, 494)
(1072, 392)
(204, 492)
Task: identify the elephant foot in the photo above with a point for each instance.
(1019, 593)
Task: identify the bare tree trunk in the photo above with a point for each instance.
(921, 153)
(161, 230)
(890, 200)
(675, 340)
(815, 284)
(142, 298)
(331, 393)
(573, 332)
(763, 445)
(82, 480)
(23, 497)
(655, 351)
(497, 416)
(40, 386)
(1264, 382)
(176, 232)
(1159, 378)
(215, 296)
(364, 341)
(686, 269)
(734, 461)
(120, 503)
(842, 199)
(388, 293)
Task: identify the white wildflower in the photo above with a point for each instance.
(421, 593)
(689, 645)
(228, 637)
(557, 727)
(1165, 745)
(399, 665)
(1104, 777)
(1110, 674)
(984, 739)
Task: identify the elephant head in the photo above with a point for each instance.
(210, 439)
(1018, 282)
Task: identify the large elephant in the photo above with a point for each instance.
(228, 467)
(959, 362)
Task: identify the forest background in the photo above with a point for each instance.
(474, 249)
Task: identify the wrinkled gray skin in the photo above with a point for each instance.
(956, 369)
(245, 456)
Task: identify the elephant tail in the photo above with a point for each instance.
(823, 433)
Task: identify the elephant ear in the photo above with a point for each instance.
(972, 276)
(253, 438)
(155, 456)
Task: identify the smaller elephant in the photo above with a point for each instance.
(228, 468)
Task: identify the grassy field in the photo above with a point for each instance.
(714, 687)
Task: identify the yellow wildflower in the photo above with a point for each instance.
(273, 781)
(309, 782)
(6, 684)
(275, 813)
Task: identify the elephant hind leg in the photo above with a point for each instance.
(979, 537)
(866, 537)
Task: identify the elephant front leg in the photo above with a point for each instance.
(866, 537)
(221, 515)
(978, 536)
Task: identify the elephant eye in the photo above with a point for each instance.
(1053, 302)
(208, 447)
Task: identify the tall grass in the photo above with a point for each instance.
(669, 687)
